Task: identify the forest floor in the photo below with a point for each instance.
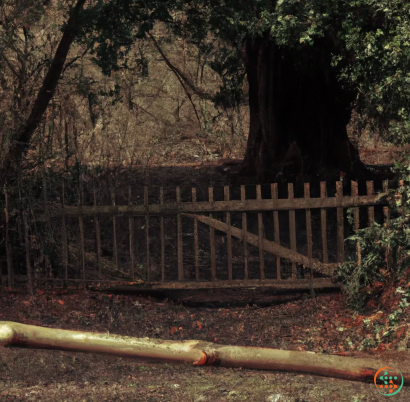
(234, 317)
(322, 324)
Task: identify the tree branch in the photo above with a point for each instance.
(22, 140)
(9, 65)
(197, 91)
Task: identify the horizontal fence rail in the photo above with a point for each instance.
(56, 211)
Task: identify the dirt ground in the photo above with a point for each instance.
(238, 317)
(294, 322)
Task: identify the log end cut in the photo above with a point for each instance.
(7, 334)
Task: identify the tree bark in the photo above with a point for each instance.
(22, 140)
(298, 113)
(198, 352)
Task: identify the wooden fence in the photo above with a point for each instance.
(232, 231)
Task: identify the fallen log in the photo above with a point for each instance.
(198, 352)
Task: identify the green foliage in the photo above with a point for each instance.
(367, 43)
(385, 249)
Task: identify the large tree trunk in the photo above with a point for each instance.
(298, 113)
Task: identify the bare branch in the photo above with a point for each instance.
(197, 91)
(9, 65)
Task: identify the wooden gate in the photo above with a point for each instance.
(238, 251)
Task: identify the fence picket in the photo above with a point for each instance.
(212, 237)
(132, 233)
(194, 199)
(370, 191)
(228, 235)
(179, 230)
(340, 225)
(146, 205)
(244, 231)
(98, 237)
(386, 211)
(355, 191)
(161, 223)
(114, 225)
(292, 228)
(309, 228)
(260, 235)
(64, 238)
(323, 221)
(274, 195)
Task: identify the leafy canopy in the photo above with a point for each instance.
(366, 41)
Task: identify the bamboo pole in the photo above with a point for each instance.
(197, 352)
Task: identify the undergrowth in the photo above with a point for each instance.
(384, 251)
